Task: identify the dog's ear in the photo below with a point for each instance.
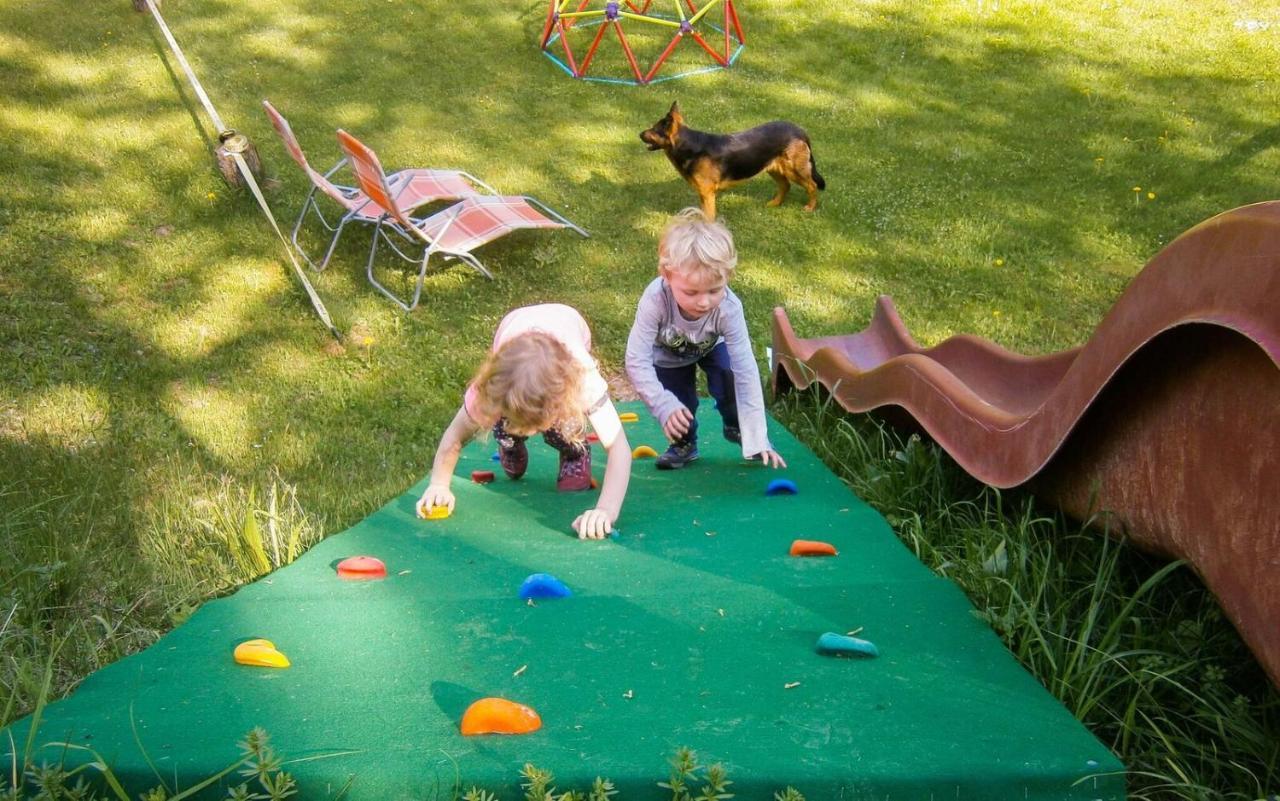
(674, 115)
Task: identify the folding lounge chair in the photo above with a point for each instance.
(411, 188)
(453, 232)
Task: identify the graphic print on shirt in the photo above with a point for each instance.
(679, 343)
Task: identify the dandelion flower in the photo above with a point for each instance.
(213, 195)
(999, 262)
(995, 313)
(1151, 196)
(1137, 189)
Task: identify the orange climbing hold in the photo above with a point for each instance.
(812, 548)
(499, 716)
(260, 653)
(362, 567)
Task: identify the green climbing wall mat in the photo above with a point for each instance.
(694, 627)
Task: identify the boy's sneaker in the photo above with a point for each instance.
(677, 456)
(514, 460)
(733, 434)
(575, 474)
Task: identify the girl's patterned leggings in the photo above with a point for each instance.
(569, 450)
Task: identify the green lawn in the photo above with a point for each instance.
(1000, 168)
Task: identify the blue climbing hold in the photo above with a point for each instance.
(781, 486)
(495, 457)
(832, 644)
(543, 585)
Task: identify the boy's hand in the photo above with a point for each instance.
(677, 424)
(435, 495)
(772, 459)
(593, 524)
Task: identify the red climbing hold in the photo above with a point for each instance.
(362, 567)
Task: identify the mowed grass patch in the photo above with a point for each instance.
(1000, 169)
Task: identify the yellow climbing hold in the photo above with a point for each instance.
(434, 513)
(644, 452)
(629, 417)
(260, 653)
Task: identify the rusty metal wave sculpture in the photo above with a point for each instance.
(1167, 420)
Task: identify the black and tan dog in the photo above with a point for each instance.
(710, 162)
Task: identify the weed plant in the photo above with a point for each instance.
(1136, 648)
(686, 773)
(262, 771)
(537, 784)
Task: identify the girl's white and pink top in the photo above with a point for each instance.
(564, 324)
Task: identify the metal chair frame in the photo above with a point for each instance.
(352, 199)
(374, 184)
(431, 245)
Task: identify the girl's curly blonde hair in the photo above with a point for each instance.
(535, 383)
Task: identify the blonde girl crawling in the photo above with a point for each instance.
(540, 377)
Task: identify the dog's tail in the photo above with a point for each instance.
(813, 169)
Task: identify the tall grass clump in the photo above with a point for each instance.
(1135, 647)
(71, 603)
(68, 605)
(232, 533)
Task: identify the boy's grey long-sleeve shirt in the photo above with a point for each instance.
(661, 336)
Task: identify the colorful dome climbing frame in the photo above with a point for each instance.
(690, 20)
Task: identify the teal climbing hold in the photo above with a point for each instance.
(832, 644)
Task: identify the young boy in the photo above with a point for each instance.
(688, 318)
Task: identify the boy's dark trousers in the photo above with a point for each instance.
(683, 383)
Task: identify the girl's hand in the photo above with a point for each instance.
(435, 495)
(772, 459)
(593, 524)
(677, 424)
